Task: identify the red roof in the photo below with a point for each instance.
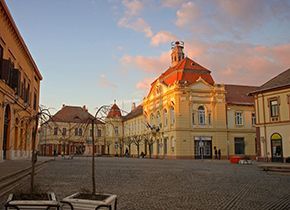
(73, 114)
(114, 112)
(186, 71)
(238, 94)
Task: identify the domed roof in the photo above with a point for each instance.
(114, 112)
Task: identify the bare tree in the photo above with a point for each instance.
(137, 141)
(128, 142)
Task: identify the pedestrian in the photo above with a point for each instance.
(142, 154)
(215, 153)
(219, 154)
(127, 153)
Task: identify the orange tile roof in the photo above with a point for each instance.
(186, 71)
(238, 94)
(73, 114)
(114, 112)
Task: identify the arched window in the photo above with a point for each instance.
(80, 132)
(158, 118)
(201, 115)
(165, 117)
(172, 115)
(152, 119)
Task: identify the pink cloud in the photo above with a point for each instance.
(139, 25)
(162, 37)
(145, 84)
(133, 7)
(229, 62)
(147, 64)
(104, 82)
(186, 14)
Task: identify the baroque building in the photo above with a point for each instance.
(69, 132)
(19, 90)
(193, 116)
(272, 104)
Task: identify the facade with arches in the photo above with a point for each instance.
(19, 90)
(272, 104)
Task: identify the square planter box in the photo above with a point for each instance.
(26, 201)
(102, 201)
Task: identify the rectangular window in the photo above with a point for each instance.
(239, 118)
(274, 108)
(1, 57)
(35, 101)
(239, 146)
(55, 131)
(80, 132)
(253, 119)
(91, 132)
(99, 132)
(192, 118)
(64, 131)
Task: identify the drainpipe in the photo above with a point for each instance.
(265, 133)
(227, 129)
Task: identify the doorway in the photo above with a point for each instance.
(203, 147)
(276, 148)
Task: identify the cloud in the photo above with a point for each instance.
(131, 18)
(171, 3)
(162, 37)
(186, 14)
(133, 7)
(139, 25)
(105, 83)
(243, 63)
(147, 64)
(145, 84)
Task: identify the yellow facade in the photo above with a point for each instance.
(192, 118)
(273, 129)
(19, 90)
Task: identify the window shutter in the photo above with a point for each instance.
(5, 70)
(15, 75)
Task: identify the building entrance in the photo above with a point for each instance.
(203, 147)
(276, 148)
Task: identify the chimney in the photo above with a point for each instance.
(177, 53)
(133, 106)
(85, 108)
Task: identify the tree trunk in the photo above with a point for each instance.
(93, 159)
(138, 150)
(33, 158)
(150, 151)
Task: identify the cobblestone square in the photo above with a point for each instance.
(170, 184)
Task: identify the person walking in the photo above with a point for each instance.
(215, 153)
(54, 153)
(219, 154)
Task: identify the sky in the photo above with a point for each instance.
(92, 52)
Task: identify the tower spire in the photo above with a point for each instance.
(177, 53)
